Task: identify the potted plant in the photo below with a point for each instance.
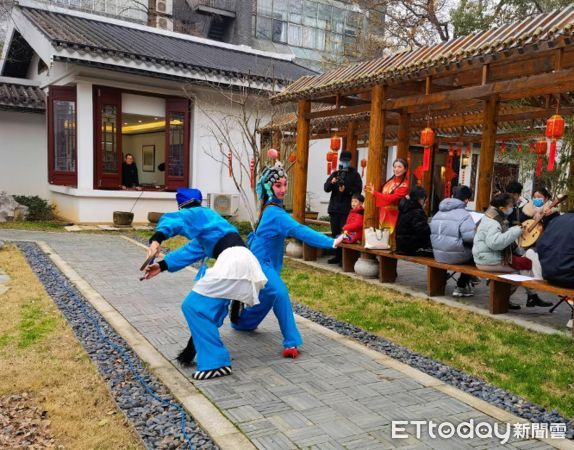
(123, 218)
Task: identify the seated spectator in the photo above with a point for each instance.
(413, 231)
(539, 208)
(353, 228)
(130, 178)
(556, 251)
(514, 189)
(452, 235)
(493, 241)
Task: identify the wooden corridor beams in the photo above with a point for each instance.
(300, 176)
(403, 135)
(375, 154)
(487, 152)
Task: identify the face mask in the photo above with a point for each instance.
(538, 202)
(507, 212)
(344, 164)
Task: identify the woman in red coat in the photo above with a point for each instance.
(353, 228)
(394, 189)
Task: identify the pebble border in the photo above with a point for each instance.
(467, 383)
(158, 425)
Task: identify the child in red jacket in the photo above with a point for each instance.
(353, 228)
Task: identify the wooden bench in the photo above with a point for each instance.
(499, 288)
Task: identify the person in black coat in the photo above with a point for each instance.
(342, 184)
(556, 251)
(130, 178)
(413, 230)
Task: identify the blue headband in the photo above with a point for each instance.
(187, 196)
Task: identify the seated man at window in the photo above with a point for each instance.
(130, 178)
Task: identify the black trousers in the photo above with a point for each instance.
(337, 222)
(463, 280)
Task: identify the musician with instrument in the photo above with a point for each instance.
(556, 251)
(541, 208)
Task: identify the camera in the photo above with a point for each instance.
(342, 176)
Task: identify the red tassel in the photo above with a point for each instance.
(252, 174)
(426, 159)
(552, 156)
(362, 172)
(334, 162)
(229, 165)
(538, 166)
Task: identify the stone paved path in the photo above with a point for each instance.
(332, 397)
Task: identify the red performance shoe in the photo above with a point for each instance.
(290, 352)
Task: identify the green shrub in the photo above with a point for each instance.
(38, 208)
(243, 226)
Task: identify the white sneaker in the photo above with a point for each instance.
(569, 324)
(463, 292)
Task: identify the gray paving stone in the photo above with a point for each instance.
(244, 414)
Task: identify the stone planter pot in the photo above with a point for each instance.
(367, 268)
(153, 217)
(294, 249)
(123, 218)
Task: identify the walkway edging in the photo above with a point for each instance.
(223, 432)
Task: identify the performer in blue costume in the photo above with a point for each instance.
(267, 243)
(236, 275)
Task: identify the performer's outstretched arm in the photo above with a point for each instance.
(184, 256)
(304, 233)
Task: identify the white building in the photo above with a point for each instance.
(79, 91)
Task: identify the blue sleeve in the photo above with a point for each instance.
(184, 256)
(304, 233)
(171, 224)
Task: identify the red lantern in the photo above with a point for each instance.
(541, 147)
(292, 157)
(335, 143)
(419, 174)
(554, 130)
(334, 163)
(502, 151)
(519, 148)
(531, 147)
(363, 165)
(252, 173)
(427, 141)
(330, 156)
(229, 165)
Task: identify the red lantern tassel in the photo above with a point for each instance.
(229, 165)
(252, 174)
(334, 163)
(329, 168)
(426, 159)
(538, 166)
(552, 156)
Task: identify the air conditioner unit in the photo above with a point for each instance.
(225, 204)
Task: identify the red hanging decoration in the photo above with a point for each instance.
(449, 173)
(502, 151)
(334, 163)
(554, 130)
(292, 157)
(541, 147)
(419, 174)
(427, 141)
(519, 148)
(335, 143)
(252, 173)
(229, 165)
(363, 165)
(531, 147)
(330, 155)
(468, 151)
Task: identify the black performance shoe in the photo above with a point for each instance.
(187, 355)
(513, 306)
(213, 373)
(334, 260)
(534, 300)
(235, 311)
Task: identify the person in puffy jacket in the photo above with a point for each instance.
(452, 235)
(413, 231)
(353, 228)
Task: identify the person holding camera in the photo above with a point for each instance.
(342, 184)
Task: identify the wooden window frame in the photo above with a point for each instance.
(58, 177)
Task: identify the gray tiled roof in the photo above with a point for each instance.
(21, 97)
(110, 39)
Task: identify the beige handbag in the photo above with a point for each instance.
(377, 239)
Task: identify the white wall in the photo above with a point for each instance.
(133, 143)
(23, 154)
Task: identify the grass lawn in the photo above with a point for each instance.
(40, 356)
(40, 225)
(536, 366)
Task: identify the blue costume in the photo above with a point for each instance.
(204, 314)
(267, 243)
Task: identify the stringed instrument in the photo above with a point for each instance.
(532, 228)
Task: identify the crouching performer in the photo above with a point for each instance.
(267, 243)
(236, 275)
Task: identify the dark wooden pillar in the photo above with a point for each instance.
(352, 142)
(375, 156)
(487, 150)
(403, 135)
(300, 175)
